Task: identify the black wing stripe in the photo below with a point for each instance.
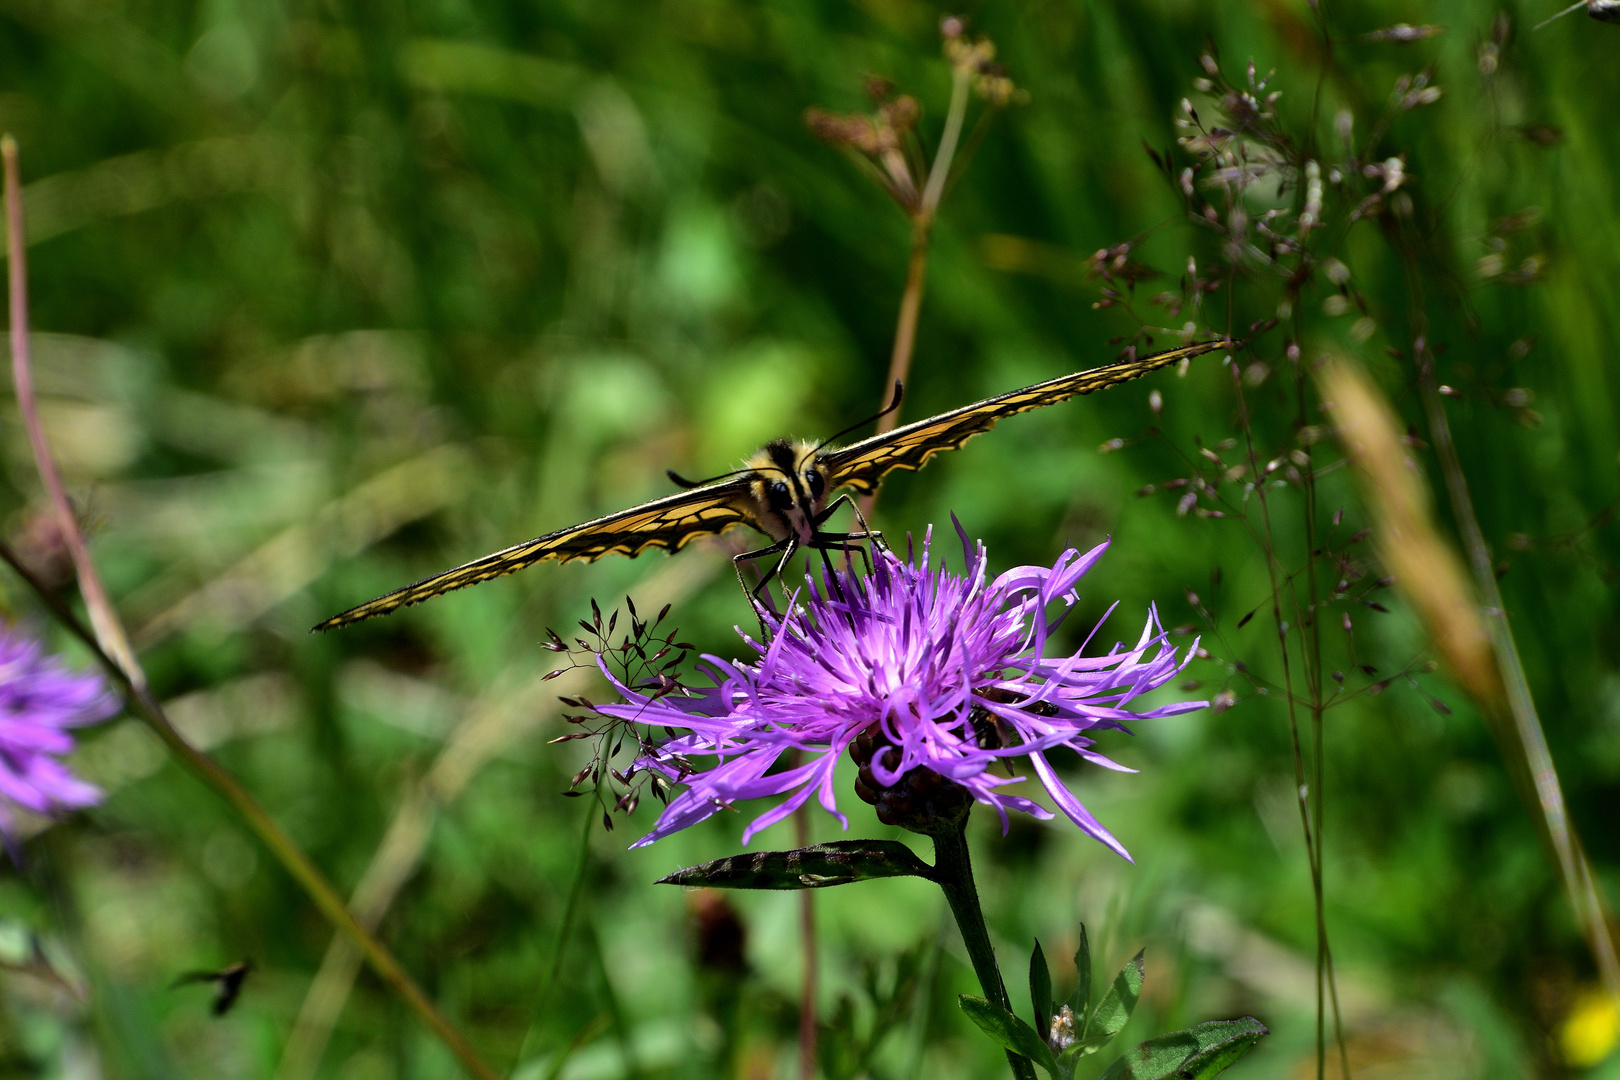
(669, 523)
(863, 465)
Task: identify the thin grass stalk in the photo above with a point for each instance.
(1311, 629)
(1301, 788)
(610, 997)
(1523, 731)
(1590, 908)
(565, 929)
(1436, 585)
(110, 645)
(328, 992)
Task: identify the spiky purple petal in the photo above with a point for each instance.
(907, 652)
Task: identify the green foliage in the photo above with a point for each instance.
(1009, 1031)
(1058, 1045)
(332, 296)
(1202, 1051)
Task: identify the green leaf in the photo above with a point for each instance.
(815, 867)
(1197, 1053)
(1040, 988)
(1080, 1000)
(1117, 1005)
(1009, 1032)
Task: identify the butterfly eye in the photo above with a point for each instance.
(814, 482)
(781, 497)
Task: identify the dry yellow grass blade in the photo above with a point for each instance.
(1431, 577)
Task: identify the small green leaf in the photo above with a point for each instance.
(1009, 1032)
(1117, 1005)
(1040, 989)
(1080, 1000)
(815, 867)
(1197, 1053)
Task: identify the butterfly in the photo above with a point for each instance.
(782, 492)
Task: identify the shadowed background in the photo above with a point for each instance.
(335, 295)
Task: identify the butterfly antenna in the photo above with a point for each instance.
(894, 403)
(681, 481)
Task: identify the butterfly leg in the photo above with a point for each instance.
(792, 545)
(825, 542)
(748, 556)
(865, 532)
(860, 519)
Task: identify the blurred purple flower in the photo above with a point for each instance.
(947, 670)
(39, 699)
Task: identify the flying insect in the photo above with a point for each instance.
(782, 492)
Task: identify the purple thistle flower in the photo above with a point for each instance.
(40, 699)
(947, 673)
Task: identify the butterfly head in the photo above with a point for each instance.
(788, 488)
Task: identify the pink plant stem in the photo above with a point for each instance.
(109, 631)
(111, 646)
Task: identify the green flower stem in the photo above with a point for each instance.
(953, 873)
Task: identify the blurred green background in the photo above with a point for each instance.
(333, 294)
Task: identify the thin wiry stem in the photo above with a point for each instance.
(1590, 907)
(1524, 731)
(1301, 785)
(610, 997)
(1311, 627)
(110, 645)
(922, 227)
(109, 630)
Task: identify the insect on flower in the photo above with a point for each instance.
(782, 492)
(934, 680)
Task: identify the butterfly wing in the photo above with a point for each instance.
(863, 465)
(669, 523)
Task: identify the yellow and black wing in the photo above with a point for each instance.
(668, 523)
(863, 465)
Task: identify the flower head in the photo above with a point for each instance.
(39, 700)
(944, 672)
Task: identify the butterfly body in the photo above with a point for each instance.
(782, 492)
(788, 484)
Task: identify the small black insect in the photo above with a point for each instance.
(227, 983)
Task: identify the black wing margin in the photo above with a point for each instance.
(669, 523)
(863, 465)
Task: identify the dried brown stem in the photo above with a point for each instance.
(922, 229)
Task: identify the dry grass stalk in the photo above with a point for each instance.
(1433, 580)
